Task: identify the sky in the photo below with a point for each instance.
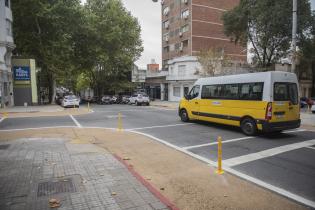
(148, 14)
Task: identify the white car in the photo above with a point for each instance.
(139, 99)
(70, 101)
(313, 109)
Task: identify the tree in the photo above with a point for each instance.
(267, 26)
(46, 34)
(212, 62)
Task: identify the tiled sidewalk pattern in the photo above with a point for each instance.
(82, 176)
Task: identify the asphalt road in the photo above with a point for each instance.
(284, 163)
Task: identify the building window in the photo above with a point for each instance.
(176, 91)
(185, 43)
(177, 46)
(166, 49)
(181, 70)
(185, 28)
(8, 27)
(7, 3)
(166, 24)
(165, 37)
(185, 14)
(166, 10)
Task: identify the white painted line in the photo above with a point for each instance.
(267, 153)
(311, 147)
(75, 121)
(214, 143)
(1, 120)
(38, 128)
(294, 131)
(259, 182)
(158, 126)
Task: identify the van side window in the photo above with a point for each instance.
(231, 91)
(251, 91)
(212, 91)
(194, 92)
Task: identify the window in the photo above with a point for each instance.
(285, 92)
(165, 37)
(166, 24)
(177, 45)
(185, 28)
(251, 91)
(231, 91)
(7, 3)
(185, 14)
(166, 10)
(172, 47)
(194, 92)
(185, 43)
(8, 27)
(181, 70)
(166, 49)
(176, 91)
(212, 91)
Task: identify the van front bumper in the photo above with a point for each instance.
(278, 126)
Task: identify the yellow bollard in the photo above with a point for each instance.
(119, 126)
(5, 115)
(219, 169)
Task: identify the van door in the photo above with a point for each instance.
(286, 102)
(193, 102)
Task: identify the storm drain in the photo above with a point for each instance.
(56, 187)
(4, 146)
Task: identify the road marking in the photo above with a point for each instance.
(267, 153)
(259, 182)
(158, 126)
(1, 120)
(294, 131)
(311, 147)
(75, 121)
(38, 128)
(214, 143)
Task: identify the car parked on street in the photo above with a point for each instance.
(313, 109)
(106, 100)
(70, 101)
(139, 99)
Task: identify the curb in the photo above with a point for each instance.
(149, 186)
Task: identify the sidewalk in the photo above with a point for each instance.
(44, 110)
(77, 174)
(166, 104)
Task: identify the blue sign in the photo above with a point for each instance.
(22, 73)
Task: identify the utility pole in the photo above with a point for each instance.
(294, 26)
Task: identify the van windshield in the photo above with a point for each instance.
(284, 91)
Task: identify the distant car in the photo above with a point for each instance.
(125, 99)
(113, 99)
(70, 101)
(139, 99)
(106, 100)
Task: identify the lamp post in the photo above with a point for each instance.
(294, 26)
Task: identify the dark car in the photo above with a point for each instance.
(106, 100)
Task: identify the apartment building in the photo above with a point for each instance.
(6, 47)
(189, 26)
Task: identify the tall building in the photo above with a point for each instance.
(189, 26)
(6, 47)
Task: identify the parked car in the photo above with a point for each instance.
(125, 99)
(139, 99)
(313, 109)
(106, 100)
(113, 99)
(70, 101)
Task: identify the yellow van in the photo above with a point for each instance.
(265, 101)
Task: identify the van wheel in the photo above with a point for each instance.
(249, 126)
(184, 115)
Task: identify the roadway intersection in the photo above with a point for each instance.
(282, 163)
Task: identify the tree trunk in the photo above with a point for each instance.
(53, 90)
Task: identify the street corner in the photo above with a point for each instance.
(43, 173)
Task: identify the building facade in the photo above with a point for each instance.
(6, 48)
(190, 26)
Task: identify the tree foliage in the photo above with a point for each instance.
(212, 62)
(267, 26)
(99, 40)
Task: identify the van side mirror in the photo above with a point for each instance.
(187, 97)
